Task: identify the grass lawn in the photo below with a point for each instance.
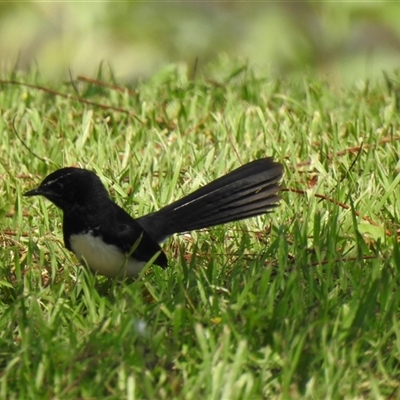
(301, 303)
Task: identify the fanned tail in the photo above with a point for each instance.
(247, 191)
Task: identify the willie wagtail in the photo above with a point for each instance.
(112, 243)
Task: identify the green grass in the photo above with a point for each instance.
(302, 303)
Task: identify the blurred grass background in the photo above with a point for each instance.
(342, 41)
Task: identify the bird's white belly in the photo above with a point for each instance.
(105, 259)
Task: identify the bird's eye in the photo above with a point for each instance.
(58, 186)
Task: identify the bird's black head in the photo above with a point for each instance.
(69, 188)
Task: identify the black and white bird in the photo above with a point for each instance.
(113, 244)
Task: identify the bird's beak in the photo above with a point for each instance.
(33, 192)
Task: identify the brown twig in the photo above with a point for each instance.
(68, 96)
(43, 159)
(355, 149)
(340, 204)
(117, 88)
(232, 142)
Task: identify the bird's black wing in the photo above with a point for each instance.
(115, 227)
(130, 237)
